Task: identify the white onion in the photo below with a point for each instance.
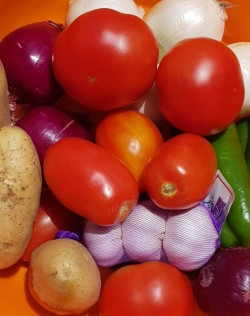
(242, 52)
(148, 105)
(78, 7)
(175, 20)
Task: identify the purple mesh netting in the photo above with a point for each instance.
(186, 239)
(105, 244)
(143, 232)
(190, 238)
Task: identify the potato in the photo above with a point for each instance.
(20, 189)
(4, 99)
(63, 277)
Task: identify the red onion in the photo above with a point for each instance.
(26, 54)
(222, 285)
(46, 125)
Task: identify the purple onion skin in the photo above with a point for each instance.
(26, 54)
(222, 286)
(47, 124)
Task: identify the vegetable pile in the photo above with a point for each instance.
(125, 159)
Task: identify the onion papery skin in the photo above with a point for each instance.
(47, 124)
(26, 54)
(174, 20)
(78, 7)
(242, 52)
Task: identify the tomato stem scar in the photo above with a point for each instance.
(92, 79)
(168, 189)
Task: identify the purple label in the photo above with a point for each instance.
(219, 201)
(218, 211)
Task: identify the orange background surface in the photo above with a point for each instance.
(14, 295)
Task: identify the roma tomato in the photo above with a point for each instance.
(112, 60)
(200, 86)
(90, 181)
(51, 217)
(132, 137)
(151, 288)
(181, 173)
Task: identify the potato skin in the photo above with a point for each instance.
(5, 118)
(20, 189)
(63, 277)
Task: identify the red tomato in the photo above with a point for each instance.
(132, 137)
(90, 181)
(112, 60)
(151, 288)
(200, 86)
(181, 173)
(52, 216)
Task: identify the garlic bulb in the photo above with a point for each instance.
(78, 7)
(175, 20)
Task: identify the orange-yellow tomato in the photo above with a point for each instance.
(237, 25)
(132, 137)
(14, 295)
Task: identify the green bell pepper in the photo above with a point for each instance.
(243, 131)
(232, 164)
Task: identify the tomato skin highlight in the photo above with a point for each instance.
(112, 60)
(132, 137)
(150, 288)
(181, 172)
(200, 86)
(90, 181)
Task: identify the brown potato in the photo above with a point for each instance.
(4, 99)
(20, 189)
(63, 277)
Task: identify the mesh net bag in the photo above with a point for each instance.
(186, 239)
(190, 238)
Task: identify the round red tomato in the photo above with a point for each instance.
(106, 59)
(200, 86)
(151, 288)
(132, 137)
(181, 173)
(90, 181)
(52, 216)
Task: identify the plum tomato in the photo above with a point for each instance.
(132, 137)
(52, 216)
(200, 86)
(106, 59)
(181, 172)
(150, 288)
(90, 181)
